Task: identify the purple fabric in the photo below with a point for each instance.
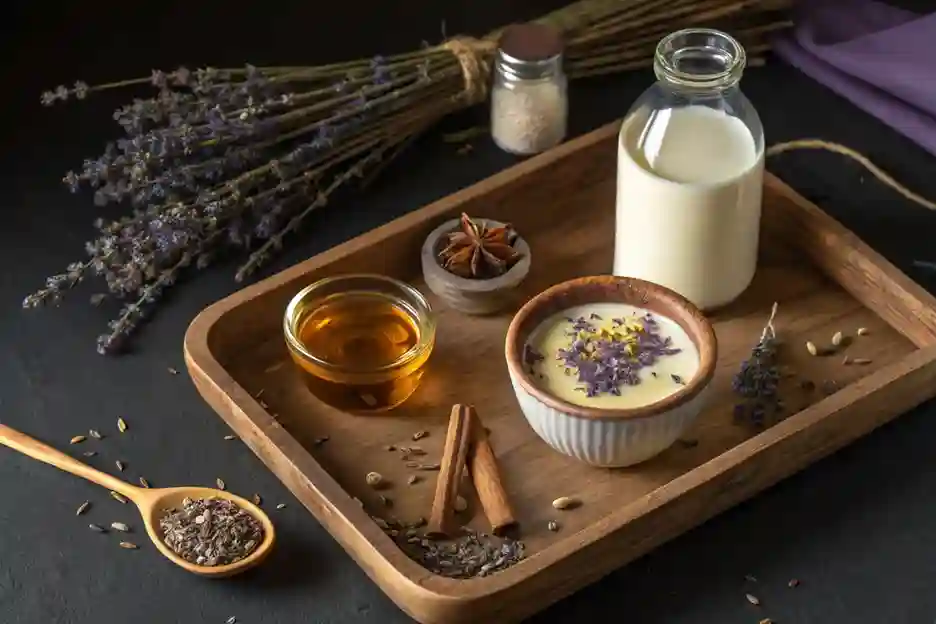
(881, 58)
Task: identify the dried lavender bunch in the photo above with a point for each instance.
(236, 159)
(758, 378)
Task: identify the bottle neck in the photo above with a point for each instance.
(699, 61)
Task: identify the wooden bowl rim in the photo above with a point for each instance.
(612, 289)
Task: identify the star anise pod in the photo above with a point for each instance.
(476, 251)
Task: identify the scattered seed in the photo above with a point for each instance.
(412, 464)
(281, 506)
(390, 448)
(97, 528)
(120, 526)
(369, 400)
(257, 500)
(144, 482)
(121, 425)
(220, 483)
(94, 433)
(766, 621)
(77, 439)
(172, 371)
(553, 526)
(429, 467)
(129, 545)
(380, 522)
(754, 600)
(230, 437)
(120, 465)
(861, 361)
(415, 451)
(793, 583)
(89, 453)
(460, 504)
(419, 435)
(413, 479)
(565, 502)
(83, 507)
(373, 479)
(846, 360)
(811, 348)
(320, 441)
(387, 501)
(260, 393)
(863, 331)
(118, 497)
(837, 338)
(231, 620)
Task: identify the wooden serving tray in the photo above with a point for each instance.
(824, 278)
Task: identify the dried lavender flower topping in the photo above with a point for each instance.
(607, 359)
(211, 531)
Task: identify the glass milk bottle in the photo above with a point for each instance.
(690, 172)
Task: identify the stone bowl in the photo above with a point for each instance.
(472, 296)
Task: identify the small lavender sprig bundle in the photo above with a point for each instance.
(758, 378)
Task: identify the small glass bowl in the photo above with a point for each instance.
(356, 385)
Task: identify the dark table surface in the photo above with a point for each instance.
(858, 529)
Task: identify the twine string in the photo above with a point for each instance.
(861, 159)
(474, 58)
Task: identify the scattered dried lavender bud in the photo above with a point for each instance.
(861, 361)
(678, 379)
(83, 507)
(374, 479)
(553, 526)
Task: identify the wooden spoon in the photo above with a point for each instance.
(152, 503)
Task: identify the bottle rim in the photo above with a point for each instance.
(719, 46)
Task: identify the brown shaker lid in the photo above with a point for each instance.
(531, 42)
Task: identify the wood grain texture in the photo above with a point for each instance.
(824, 278)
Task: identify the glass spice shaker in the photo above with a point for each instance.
(690, 173)
(529, 99)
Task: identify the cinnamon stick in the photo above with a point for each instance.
(458, 442)
(485, 474)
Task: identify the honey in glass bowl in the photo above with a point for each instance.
(361, 341)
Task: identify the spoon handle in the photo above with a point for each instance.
(37, 450)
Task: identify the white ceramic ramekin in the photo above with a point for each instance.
(603, 437)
